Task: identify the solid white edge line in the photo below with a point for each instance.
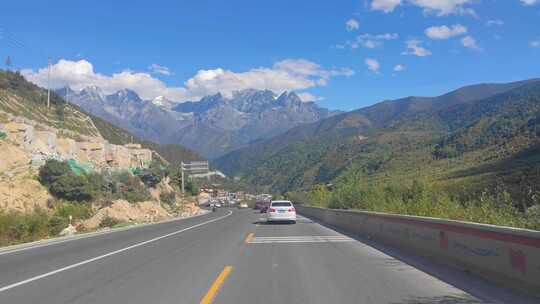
(287, 239)
(41, 276)
(286, 242)
(304, 237)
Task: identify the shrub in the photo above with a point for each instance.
(154, 174)
(77, 211)
(109, 222)
(130, 188)
(64, 184)
(491, 207)
(53, 170)
(97, 184)
(168, 198)
(192, 186)
(319, 196)
(56, 224)
(18, 227)
(72, 187)
(149, 178)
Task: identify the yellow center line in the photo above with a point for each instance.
(212, 292)
(248, 239)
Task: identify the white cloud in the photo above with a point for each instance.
(469, 42)
(159, 69)
(286, 75)
(352, 25)
(530, 2)
(445, 32)
(385, 5)
(372, 65)
(495, 22)
(399, 68)
(305, 97)
(535, 44)
(414, 48)
(439, 7)
(369, 41)
(372, 41)
(444, 7)
(370, 44)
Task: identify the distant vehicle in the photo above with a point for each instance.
(281, 211)
(264, 207)
(262, 202)
(243, 205)
(217, 205)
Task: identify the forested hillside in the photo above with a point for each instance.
(453, 142)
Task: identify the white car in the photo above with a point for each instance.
(281, 211)
(243, 205)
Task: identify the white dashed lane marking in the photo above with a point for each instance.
(300, 239)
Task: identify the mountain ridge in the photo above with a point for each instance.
(320, 151)
(225, 123)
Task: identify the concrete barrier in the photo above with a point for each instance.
(503, 255)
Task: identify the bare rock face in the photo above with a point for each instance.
(68, 231)
(23, 194)
(67, 148)
(125, 211)
(21, 133)
(26, 147)
(44, 144)
(18, 190)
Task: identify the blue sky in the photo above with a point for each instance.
(343, 54)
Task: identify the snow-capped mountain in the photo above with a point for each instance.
(212, 126)
(163, 102)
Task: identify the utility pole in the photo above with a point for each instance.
(182, 169)
(49, 85)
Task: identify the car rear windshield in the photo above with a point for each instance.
(281, 204)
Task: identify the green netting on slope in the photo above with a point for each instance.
(80, 168)
(3, 135)
(135, 170)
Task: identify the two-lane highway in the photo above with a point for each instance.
(230, 256)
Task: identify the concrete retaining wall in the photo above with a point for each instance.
(504, 255)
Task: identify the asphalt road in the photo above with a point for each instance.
(232, 257)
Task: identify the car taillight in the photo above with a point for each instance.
(271, 210)
(291, 209)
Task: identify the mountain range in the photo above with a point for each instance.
(212, 126)
(474, 135)
(21, 98)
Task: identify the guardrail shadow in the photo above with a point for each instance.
(273, 223)
(439, 300)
